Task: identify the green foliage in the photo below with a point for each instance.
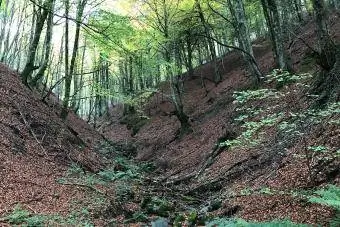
(254, 118)
(18, 216)
(267, 191)
(159, 206)
(78, 218)
(329, 196)
(179, 220)
(224, 222)
(22, 217)
(117, 30)
(321, 149)
(138, 217)
(335, 222)
(242, 97)
(283, 78)
(190, 218)
(249, 135)
(111, 175)
(246, 191)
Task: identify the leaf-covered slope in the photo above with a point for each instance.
(36, 147)
(262, 178)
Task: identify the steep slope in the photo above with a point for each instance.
(231, 175)
(36, 148)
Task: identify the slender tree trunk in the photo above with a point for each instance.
(190, 56)
(13, 52)
(40, 21)
(70, 71)
(298, 10)
(6, 48)
(78, 83)
(68, 75)
(274, 24)
(4, 21)
(207, 30)
(48, 47)
(241, 25)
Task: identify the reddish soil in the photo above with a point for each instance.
(36, 147)
(212, 114)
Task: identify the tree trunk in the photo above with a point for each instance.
(298, 10)
(48, 47)
(68, 76)
(40, 21)
(327, 85)
(217, 73)
(240, 19)
(274, 24)
(177, 95)
(70, 71)
(327, 47)
(190, 56)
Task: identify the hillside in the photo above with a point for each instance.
(37, 148)
(255, 153)
(254, 182)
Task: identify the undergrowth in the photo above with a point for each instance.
(283, 112)
(263, 109)
(23, 217)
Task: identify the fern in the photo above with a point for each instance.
(223, 222)
(329, 196)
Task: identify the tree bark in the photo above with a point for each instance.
(68, 77)
(70, 71)
(48, 46)
(217, 73)
(241, 26)
(40, 21)
(274, 24)
(327, 47)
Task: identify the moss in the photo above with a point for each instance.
(134, 122)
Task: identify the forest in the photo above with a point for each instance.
(169, 113)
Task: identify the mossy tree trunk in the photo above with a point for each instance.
(41, 17)
(327, 85)
(241, 25)
(327, 47)
(48, 47)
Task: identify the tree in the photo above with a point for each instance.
(41, 16)
(240, 24)
(68, 77)
(48, 47)
(274, 24)
(69, 70)
(163, 19)
(207, 30)
(327, 47)
(328, 83)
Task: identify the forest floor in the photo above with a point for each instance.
(66, 173)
